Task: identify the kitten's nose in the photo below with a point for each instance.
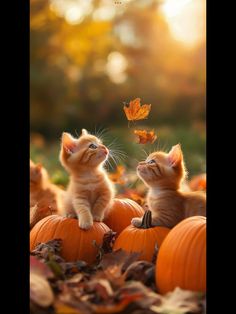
(106, 151)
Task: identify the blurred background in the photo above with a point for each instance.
(87, 57)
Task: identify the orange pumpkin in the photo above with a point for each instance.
(142, 239)
(119, 216)
(181, 261)
(76, 243)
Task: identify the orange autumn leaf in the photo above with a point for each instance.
(198, 182)
(133, 195)
(145, 136)
(118, 176)
(134, 110)
(137, 198)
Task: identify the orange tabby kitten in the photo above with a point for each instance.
(163, 173)
(43, 193)
(90, 192)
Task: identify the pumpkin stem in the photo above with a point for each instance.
(147, 220)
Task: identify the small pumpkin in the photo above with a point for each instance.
(77, 244)
(142, 239)
(181, 261)
(119, 216)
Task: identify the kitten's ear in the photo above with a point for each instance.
(84, 132)
(68, 142)
(175, 156)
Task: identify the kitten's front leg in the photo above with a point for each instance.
(102, 203)
(137, 222)
(82, 209)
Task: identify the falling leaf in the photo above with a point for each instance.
(145, 136)
(119, 175)
(134, 110)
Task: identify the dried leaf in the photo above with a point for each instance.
(75, 279)
(40, 268)
(36, 309)
(120, 258)
(40, 290)
(134, 110)
(107, 245)
(180, 302)
(119, 175)
(61, 308)
(141, 271)
(145, 136)
(133, 194)
(137, 198)
(116, 307)
(43, 250)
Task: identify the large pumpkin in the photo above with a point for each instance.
(143, 239)
(181, 261)
(119, 216)
(77, 244)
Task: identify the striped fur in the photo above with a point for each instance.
(163, 174)
(43, 194)
(90, 192)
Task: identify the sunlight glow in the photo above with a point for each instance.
(186, 19)
(116, 66)
(174, 7)
(74, 15)
(74, 11)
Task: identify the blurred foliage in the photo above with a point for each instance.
(80, 73)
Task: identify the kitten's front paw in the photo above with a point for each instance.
(98, 218)
(136, 222)
(85, 224)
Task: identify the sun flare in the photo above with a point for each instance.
(186, 19)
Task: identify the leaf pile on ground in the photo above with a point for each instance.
(116, 283)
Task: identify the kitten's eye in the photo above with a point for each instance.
(152, 161)
(93, 146)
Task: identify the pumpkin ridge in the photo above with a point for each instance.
(181, 260)
(192, 240)
(43, 223)
(196, 239)
(56, 228)
(182, 238)
(201, 254)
